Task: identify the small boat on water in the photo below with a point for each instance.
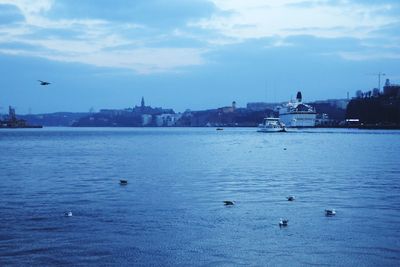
(271, 125)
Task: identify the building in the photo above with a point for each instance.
(391, 90)
(322, 120)
(143, 109)
(147, 119)
(228, 109)
(167, 119)
(261, 106)
(336, 103)
(113, 112)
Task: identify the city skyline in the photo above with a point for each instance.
(192, 54)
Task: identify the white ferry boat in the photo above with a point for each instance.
(271, 125)
(298, 114)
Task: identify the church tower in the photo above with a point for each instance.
(142, 103)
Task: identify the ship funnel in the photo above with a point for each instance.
(299, 97)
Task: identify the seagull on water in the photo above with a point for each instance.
(229, 202)
(330, 212)
(283, 222)
(290, 198)
(68, 214)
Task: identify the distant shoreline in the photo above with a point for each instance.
(364, 127)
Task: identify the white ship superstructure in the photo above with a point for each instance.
(298, 114)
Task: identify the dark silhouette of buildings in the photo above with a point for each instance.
(130, 117)
(376, 108)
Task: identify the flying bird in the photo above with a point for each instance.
(43, 82)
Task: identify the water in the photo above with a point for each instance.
(171, 212)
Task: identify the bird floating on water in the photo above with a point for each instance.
(290, 198)
(68, 214)
(283, 222)
(123, 182)
(43, 82)
(331, 212)
(229, 202)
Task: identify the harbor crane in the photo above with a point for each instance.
(379, 74)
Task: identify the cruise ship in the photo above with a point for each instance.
(297, 114)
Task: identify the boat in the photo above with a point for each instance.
(271, 125)
(13, 122)
(298, 114)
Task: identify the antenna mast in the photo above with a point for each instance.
(379, 79)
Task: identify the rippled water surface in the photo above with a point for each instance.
(171, 212)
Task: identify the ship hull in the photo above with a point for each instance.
(298, 120)
(271, 130)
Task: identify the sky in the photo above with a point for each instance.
(191, 54)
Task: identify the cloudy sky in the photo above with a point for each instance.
(193, 54)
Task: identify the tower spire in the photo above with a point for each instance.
(142, 103)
